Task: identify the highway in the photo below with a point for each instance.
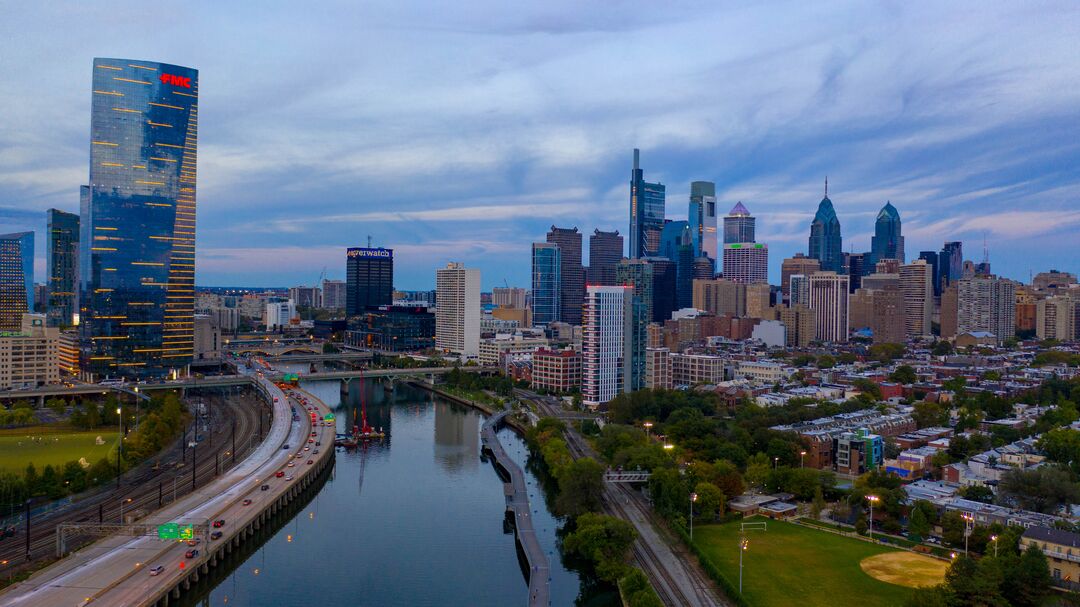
(115, 571)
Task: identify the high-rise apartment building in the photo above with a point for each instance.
(16, 279)
(800, 289)
(606, 344)
(457, 310)
(881, 310)
(571, 273)
(664, 288)
(605, 251)
(137, 230)
(334, 294)
(62, 261)
(28, 356)
(917, 286)
(986, 304)
(546, 269)
(931, 258)
(826, 244)
(702, 218)
(951, 263)
(369, 278)
(508, 297)
(801, 324)
(279, 314)
(950, 309)
(1056, 318)
(739, 225)
(647, 201)
(306, 297)
(638, 274)
(746, 262)
(800, 264)
(887, 242)
(829, 301)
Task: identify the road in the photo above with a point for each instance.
(114, 571)
(673, 572)
(139, 488)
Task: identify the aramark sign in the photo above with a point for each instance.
(360, 252)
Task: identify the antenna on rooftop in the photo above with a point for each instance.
(369, 241)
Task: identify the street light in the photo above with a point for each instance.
(122, 502)
(744, 545)
(802, 454)
(994, 538)
(775, 463)
(648, 427)
(693, 498)
(969, 523)
(872, 499)
(669, 446)
(119, 444)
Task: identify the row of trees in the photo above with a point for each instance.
(1010, 579)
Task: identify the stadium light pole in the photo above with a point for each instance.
(802, 454)
(872, 499)
(969, 523)
(743, 546)
(693, 498)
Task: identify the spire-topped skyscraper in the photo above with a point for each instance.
(738, 225)
(702, 217)
(646, 212)
(887, 242)
(826, 245)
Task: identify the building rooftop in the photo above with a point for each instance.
(1053, 535)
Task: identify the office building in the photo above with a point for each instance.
(546, 292)
(664, 288)
(931, 259)
(800, 289)
(67, 353)
(826, 244)
(407, 328)
(704, 268)
(856, 264)
(494, 349)
(800, 264)
(28, 356)
(62, 261)
(638, 274)
(887, 242)
(605, 251)
(1056, 318)
(16, 279)
(951, 263)
(137, 229)
(571, 273)
(508, 297)
(986, 304)
(746, 262)
(647, 201)
(800, 323)
(207, 339)
(457, 310)
(1045, 281)
(1026, 310)
(829, 301)
(950, 310)
(556, 370)
(702, 218)
(369, 277)
(606, 343)
(881, 311)
(279, 314)
(334, 294)
(739, 225)
(306, 297)
(724, 297)
(917, 285)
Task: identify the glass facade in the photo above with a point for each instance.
(546, 267)
(137, 234)
(647, 202)
(826, 244)
(16, 279)
(63, 257)
(702, 214)
(887, 242)
(369, 279)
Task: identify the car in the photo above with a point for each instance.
(318, 443)
(310, 461)
(289, 478)
(280, 473)
(247, 502)
(310, 440)
(315, 452)
(307, 448)
(265, 487)
(219, 523)
(191, 554)
(291, 464)
(313, 433)
(285, 448)
(215, 535)
(193, 541)
(157, 570)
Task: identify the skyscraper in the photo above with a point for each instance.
(829, 301)
(571, 274)
(916, 283)
(63, 255)
(605, 251)
(739, 225)
(664, 292)
(638, 275)
(369, 279)
(951, 263)
(702, 218)
(746, 262)
(606, 344)
(16, 279)
(800, 264)
(826, 244)
(647, 202)
(887, 242)
(335, 294)
(931, 258)
(457, 309)
(986, 304)
(546, 267)
(137, 233)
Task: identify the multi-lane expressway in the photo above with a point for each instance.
(117, 569)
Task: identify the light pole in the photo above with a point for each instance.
(775, 463)
(969, 523)
(648, 427)
(872, 499)
(744, 544)
(119, 443)
(122, 502)
(693, 498)
(802, 454)
(994, 538)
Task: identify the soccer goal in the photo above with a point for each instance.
(754, 526)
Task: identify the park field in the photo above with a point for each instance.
(794, 565)
(43, 446)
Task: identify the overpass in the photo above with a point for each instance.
(312, 358)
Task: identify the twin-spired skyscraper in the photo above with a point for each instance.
(137, 241)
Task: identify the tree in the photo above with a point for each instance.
(904, 374)
(669, 493)
(928, 414)
(818, 504)
(605, 540)
(710, 501)
(1029, 581)
(887, 352)
(941, 348)
(826, 361)
(1061, 445)
(1044, 489)
(918, 526)
(975, 584)
(978, 493)
(867, 387)
(581, 485)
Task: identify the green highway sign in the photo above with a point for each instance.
(175, 531)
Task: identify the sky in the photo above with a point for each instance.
(461, 131)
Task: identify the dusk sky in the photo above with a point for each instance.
(463, 130)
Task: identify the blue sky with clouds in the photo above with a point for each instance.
(463, 130)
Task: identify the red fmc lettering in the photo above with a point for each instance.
(176, 80)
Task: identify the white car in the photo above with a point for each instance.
(157, 570)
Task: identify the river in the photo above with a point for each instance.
(415, 519)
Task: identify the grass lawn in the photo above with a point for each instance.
(43, 446)
(794, 565)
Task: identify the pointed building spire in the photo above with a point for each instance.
(826, 186)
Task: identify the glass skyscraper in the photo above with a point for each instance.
(137, 234)
(826, 244)
(63, 259)
(951, 263)
(546, 266)
(702, 216)
(887, 242)
(571, 274)
(647, 202)
(369, 279)
(16, 279)
(739, 225)
(605, 251)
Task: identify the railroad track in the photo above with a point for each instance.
(140, 488)
(668, 590)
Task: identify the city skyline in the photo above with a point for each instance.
(915, 131)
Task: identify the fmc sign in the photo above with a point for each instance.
(362, 252)
(176, 80)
